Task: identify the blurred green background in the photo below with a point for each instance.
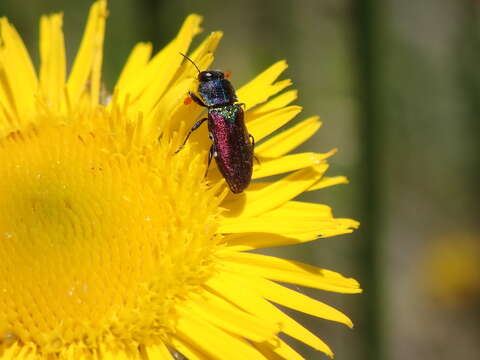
(397, 86)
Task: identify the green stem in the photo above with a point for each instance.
(469, 81)
(367, 32)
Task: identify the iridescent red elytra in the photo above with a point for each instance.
(232, 145)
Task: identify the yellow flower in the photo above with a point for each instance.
(112, 246)
(451, 269)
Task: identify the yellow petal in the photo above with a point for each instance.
(202, 56)
(277, 349)
(289, 139)
(158, 351)
(329, 181)
(266, 124)
(290, 271)
(85, 76)
(293, 219)
(188, 114)
(308, 210)
(6, 96)
(136, 63)
(153, 82)
(161, 119)
(214, 342)
(292, 227)
(52, 61)
(252, 240)
(297, 301)
(8, 120)
(187, 350)
(288, 163)
(298, 212)
(262, 87)
(208, 46)
(269, 197)
(20, 82)
(278, 102)
(223, 315)
(227, 284)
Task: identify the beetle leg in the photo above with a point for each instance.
(211, 154)
(196, 99)
(194, 127)
(243, 105)
(253, 147)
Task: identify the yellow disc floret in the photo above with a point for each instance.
(97, 242)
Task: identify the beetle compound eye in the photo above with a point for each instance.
(205, 76)
(210, 75)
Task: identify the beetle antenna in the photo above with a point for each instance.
(186, 57)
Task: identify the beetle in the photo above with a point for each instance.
(232, 145)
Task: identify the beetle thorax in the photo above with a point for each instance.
(217, 92)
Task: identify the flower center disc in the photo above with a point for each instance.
(94, 241)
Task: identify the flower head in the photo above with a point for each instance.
(112, 246)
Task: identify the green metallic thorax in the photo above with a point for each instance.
(229, 112)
